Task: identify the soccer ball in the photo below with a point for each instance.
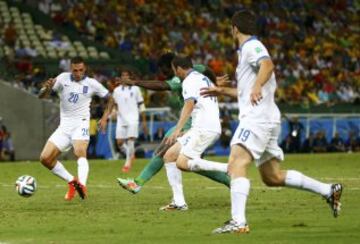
(26, 185)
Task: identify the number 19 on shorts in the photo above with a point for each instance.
(244, 134)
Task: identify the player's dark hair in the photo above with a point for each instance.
(164, 64)
(210, 74)
(77, 60)
(245, 22)
(182, 62)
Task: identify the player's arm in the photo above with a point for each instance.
(108, 109)
(266, 68)
(218, 91)
(148, 84)
(184, 116)
(46, 89)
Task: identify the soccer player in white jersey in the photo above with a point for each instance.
(205, 128)
(130, 103)
(75, 90)
(257, 134)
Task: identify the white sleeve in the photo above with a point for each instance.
(58, 83)
(139, 97)
(99, 89)
(255, 52)
(189, 91)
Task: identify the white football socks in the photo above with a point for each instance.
(199, 164)
(60, 171)
(298, 180)
(83, 170)
(175, 180)
(240, 188)
(130, 150)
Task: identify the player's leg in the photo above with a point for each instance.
(272, 175)
(150, 170)
(130, 154)
(80, 151)
(248, 143)
(239, 160)
(48, 158)
(58, 142)
(120, 136)
(174, 177)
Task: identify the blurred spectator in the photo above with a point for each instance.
(308, 145)
(337, 144)
(286, 144)
(353, 143)
(10, 35)
(7, 150)
(294, 137)
(320, 143)
(65, 64)
(159, 134)
(93, 138)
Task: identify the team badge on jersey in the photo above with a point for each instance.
(85, 89)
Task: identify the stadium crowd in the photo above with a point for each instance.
(316, 49)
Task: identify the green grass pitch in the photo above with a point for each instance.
(112, 215)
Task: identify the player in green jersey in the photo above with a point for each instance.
(172, 84)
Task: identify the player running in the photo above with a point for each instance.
(173, 84)
(75, 91)
(205, 129)
(257, 134)
(130, 103)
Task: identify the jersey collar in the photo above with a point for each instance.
(251, 38)
(188, 73)
(73, 80)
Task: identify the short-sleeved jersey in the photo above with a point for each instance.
(250, 53)
(128, 99)
(75, 96)
(205, 115)
(176, 87)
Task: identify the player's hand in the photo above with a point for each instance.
(210, 91)
(223, 80)
(256, 96)
(49, 83)
(102, 124)
(172, 138)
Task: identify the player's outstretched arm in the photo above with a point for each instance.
(217, 91)
(46, 89)
(148, 84)
(109, 107)
(184, 116)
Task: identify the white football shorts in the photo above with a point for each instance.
(260, 139)
(127, 131)
(67, 132)
(195, 142)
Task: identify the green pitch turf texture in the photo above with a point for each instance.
(112, 215)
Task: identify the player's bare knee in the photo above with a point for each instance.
(80, 153)
(273, 180)
(46, 160)
(181, 163)
(168, 157)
